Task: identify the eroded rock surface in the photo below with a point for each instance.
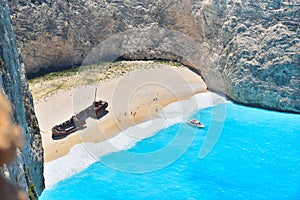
(26, 172)
(247, 49)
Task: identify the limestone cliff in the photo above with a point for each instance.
(26, 172)
(260, 61)
(247, 49)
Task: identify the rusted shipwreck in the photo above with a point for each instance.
(77, 122)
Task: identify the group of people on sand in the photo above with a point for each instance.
(131, 113)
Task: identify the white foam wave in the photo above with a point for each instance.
(83, 155)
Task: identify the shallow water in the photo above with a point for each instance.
(256, 157)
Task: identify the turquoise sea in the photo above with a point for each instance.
(257, 156)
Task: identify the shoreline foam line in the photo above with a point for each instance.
(83, 155)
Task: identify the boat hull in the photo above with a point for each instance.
(96, 110)
(196, 124)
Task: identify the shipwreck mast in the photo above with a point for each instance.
(95, 94)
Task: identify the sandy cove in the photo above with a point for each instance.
(133, 98)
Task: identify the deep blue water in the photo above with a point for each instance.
(256, 157)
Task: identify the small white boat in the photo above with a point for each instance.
(196, 123)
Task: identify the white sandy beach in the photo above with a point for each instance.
(133, 98)
(84, 154)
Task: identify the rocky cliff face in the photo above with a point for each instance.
(260, 61)
(26, 172)
(247, 49)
